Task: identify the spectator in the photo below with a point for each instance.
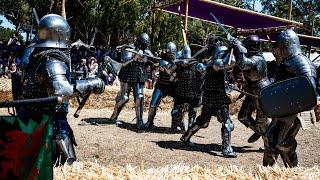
(155, 75)
(230, 77)
(15, 75)
(93, 67)
(149, 84)
(81, 70)
(11, 59)
(12, 69)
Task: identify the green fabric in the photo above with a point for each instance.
(26, 148)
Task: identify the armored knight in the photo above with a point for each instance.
(188, 89)
(165, 84)
(47, 73)
(132, 76)
(254, 68)
(282, 131)
(215, 100)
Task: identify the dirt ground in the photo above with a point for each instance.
(100, 140)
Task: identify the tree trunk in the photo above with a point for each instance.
(93, 36)
(63, 9)
(18, 26)
(53, 6)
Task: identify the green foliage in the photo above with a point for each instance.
(6, 34)
(17, 12)
(115, 22)
(303, 11)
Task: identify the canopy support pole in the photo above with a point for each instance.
(290, 10)
(186, 17)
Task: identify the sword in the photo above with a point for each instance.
(241, 91)
(229, 37)
(142, 56)
(200, 51)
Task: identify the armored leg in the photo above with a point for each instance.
(245, 117)
(64, 139)
(270, 154)
(287, 143)
(261, 124)
(121, 99)
(227, 127)
(202, 121)
(177, 117)
(139, 103)
(246, 111)
(157, 95)
(192, 113)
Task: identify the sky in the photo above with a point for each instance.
(257, 6)
(5, 23)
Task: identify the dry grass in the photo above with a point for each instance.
(93, 170)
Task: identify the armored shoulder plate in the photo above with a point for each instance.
(179, 55)
(261, 64)
(56, 67)
(163, 63)
(126, 55)
(254, 67)
(300, 65)
(201, 68)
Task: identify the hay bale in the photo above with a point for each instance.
(94, 170)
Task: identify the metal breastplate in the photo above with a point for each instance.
(298, 65)
(35, 81)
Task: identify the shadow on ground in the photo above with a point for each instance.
(211, 149)
(160, 130)
(125, 125)
(97, 121)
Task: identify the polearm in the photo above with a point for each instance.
(32, 102)
(184, 34)
(229, 37)
(35, 15)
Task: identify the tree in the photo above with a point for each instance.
(17, 12)
(303, 11)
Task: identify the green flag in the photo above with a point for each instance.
(26, 148)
